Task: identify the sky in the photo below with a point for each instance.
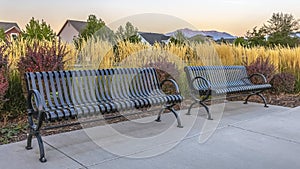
(232, 16)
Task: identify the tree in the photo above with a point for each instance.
(179, 38)
(240, 41)
(280, 28)
(256, 37)
(283, 23)
(129, 33)
(93, 25)
(2, 35)
(35, 30)
(105, 34)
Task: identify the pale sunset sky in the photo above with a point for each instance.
(232, 16)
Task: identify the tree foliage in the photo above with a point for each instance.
(240, 41)
(256, 37)
(106, 34)
(279, 30)
(36, 30)
(93, 25)
(283, 23)
(2, 35)
(178, 38)
(129, 33)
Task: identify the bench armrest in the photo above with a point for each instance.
(173, 82)
(204, 79)
(259, 75)
(38, 100)
(39, 109)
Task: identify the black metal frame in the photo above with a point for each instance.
(34, 129)
(67, 103)
(207, 92)
(170, 106)
(201, 101)
(258, 93)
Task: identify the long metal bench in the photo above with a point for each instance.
(207, 81)
(65, 95)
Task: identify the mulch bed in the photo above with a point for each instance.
(16, 129)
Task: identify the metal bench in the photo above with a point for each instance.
(64, 95)
(207, 81)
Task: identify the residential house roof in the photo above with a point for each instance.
(8, 26)
(78, 25)
(151, 38)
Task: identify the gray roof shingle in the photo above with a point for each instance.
(7, 25)
(78, 25)
(151, 38)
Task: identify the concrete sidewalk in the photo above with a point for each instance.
(245, 136)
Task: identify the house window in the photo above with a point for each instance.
(13, 36)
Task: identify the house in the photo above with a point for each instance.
(11, 30)
(151, 38)
(70, 30)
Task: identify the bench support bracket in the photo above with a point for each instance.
(258, 94)
(35, 130)
(202, 104)
(170, 108)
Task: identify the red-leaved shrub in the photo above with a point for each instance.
(165, 70)
(42, 57)
(263, 66)
(284, 82)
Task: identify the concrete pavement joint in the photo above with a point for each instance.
(264, 134)
(65, 154)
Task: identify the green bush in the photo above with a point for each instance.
(3, 76)
(16, 105)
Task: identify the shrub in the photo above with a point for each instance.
(297, 86)
(3, 76)
(284, 82)
(42, 57)
(263, 66)
(3, 88)
(165, 70)
(16, 105)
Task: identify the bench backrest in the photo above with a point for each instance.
(218, 76)
(69, 88)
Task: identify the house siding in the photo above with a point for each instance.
(68, 33)
(10, 32)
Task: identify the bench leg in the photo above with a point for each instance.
(263, 98)
(40, 142)
(29, 140)
(191, 106)
(207, 111)
(202, 104)
(41, 147)
(173, 111)
(35, 130)
(177, 117)
(258, 94)
(159, 114)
